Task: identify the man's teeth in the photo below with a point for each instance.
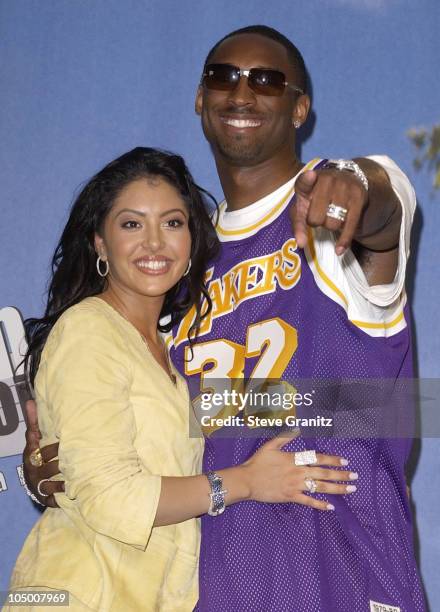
(152, 265)
(242, 123)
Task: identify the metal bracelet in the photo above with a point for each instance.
(350, 166)
(217, 495)
(25, 487)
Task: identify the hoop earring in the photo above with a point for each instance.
(98, 266)
(188, 268)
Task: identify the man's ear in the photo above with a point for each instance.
(199, 100)
(301, 110)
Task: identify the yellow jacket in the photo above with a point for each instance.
(121, 425)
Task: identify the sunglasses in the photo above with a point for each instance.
(263, 81)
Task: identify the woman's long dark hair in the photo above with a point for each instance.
(74, 275)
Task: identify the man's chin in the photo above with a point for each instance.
(238, 153)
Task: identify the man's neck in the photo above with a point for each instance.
(243, 186)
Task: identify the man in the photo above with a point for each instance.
(324, 303)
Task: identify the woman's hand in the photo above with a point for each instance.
(272, 476)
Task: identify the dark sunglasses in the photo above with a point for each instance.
(263, 81)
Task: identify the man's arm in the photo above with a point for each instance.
(378, 227)
(373, 219)
(34, 475)
(376, 238)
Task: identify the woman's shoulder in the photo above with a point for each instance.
(91, 319)
(90, 312)
(86, 336)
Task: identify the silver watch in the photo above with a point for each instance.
(351, 166)
(217, 495)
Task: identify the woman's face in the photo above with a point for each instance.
(146, 238)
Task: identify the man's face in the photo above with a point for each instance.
(243, 127)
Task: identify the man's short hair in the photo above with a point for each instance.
(293, 52)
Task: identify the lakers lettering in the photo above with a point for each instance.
(247, 280)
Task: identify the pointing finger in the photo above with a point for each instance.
(304, 183)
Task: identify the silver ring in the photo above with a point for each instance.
(40, 492)
(307, 457)
(311, 485)
(336, 212)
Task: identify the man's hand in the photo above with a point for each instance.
(372, 221)
(34, 475)
(315, 190)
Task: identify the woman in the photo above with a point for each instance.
(132, 253)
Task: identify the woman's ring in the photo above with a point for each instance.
(311, 485)
(307, 457)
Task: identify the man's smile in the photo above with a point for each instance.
(240, 122)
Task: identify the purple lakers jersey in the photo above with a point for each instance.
(283, 313)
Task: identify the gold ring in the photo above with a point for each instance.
(36, 458)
